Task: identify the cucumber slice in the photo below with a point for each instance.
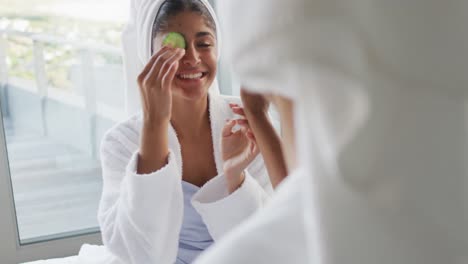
(175, 40)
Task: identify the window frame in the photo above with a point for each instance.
(11, 250)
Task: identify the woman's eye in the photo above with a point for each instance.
(204, 45)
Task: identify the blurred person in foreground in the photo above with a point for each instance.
(376, 92)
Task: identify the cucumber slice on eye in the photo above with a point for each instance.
(175, 40)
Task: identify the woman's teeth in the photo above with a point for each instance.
(191, 76)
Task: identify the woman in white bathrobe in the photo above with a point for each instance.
(176, 176)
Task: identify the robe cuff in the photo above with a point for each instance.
(220, 211)
(141, 190)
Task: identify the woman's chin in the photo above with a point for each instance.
(191, 91)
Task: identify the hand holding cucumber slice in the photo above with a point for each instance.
(175, 40)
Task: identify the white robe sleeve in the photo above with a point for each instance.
(220, 211)
(274, 235)
(139, 215)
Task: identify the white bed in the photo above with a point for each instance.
(68, 260)
(89, 254)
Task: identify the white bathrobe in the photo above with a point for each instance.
(141, 215)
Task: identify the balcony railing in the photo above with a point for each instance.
(53, 133)
(97, 90)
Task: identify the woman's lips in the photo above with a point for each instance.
(192, 76)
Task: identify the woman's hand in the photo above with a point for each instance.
(239, 149)
(155, 83)
(268, 141)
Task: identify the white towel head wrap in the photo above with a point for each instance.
(137, 41)
(380, 96)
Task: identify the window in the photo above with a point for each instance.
(61, 88)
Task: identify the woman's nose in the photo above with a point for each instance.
(191, 57)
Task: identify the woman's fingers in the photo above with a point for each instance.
(167, 78)
(149, 65)
(169, 68)
(245, 128)
(251, 135)
(255, 149)
(237, 109)
(227, 129)
(154, 74)
(243, 123)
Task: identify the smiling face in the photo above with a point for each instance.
(197, 69)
